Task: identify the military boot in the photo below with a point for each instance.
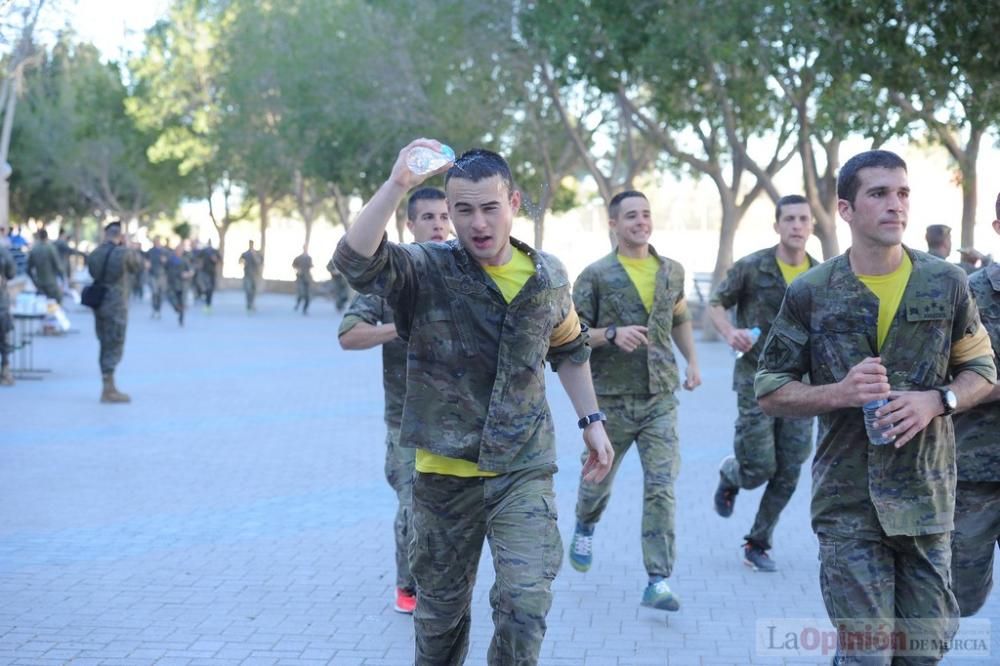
(6, 376)
(112, 394)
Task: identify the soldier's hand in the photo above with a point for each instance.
(867, 381)
(909, 412)
(401, 174)
(630, 338)
(692, 377)
(740, 339)
(600, 454)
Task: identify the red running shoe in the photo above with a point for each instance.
(405, 601)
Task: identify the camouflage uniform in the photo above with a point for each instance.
(768, 450)
(339, 288)
(111, 317)
(158, 258)
(635, 390)
(883, 515)
(45, 269)
(7, 271)
(371, 310)
(177, 282)
(977, 505)
(252, 262)
(207, 274)
(475, 390)
(303, 278)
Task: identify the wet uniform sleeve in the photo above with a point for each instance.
(364, 309)
(727, 293)
(681, 313)
(391, 272)
(786, 354)
(569, 339)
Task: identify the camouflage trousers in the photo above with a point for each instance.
(157, 285)
(651, 422)
(50, 290)
(175, 295)
(976, 538)
(302, 293)
(399, 474)
(516, 514)
(6, 331)
(767, 450)
(898, 586)
(250, 290)
(111, 336)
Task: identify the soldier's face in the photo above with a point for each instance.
(432, 221)
(794, 225)
(881, 207)
(483, 214)
(634, 222)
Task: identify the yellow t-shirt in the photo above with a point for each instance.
(889, 289)
(509, 278)
(790, 272)
(642, 273)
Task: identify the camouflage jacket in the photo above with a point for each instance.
(253, 263)
(176, 269)
(44, 266)
(604, 295)
(8, 269)
(755, 287)
(122, 262)
(369, 309)
(475, 385)
(827, 324)
(977, 430)
(302, 265)
(158, 258)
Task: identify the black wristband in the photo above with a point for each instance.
(591, 418)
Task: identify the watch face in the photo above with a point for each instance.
(950, 399)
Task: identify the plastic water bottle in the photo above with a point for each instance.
(876, 435)
(423, 160)
(754, 337)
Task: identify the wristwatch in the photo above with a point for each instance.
(948, 399)
(610, 332)
(591, 418)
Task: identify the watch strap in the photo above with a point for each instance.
(591, 418)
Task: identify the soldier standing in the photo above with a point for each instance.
(480, 314)
(881, 321)
(44, 267)
(339, 288)
(253, 263)
(8, 269)
(369, 322)
(179, 273)
(66, 254)
(767, 450)
(111, 264)
(633, 302)
(977, 501)
(156, 258)
(302, 265)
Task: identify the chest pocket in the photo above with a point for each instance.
(535, 321)
(921, 353)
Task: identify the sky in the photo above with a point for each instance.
(116, 27)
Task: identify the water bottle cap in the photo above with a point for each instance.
(447, 151)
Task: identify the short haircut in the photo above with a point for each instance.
(937, 234)
(42, 234)
(480, 164)
(423, 194)
(616, 201)
(788, 200)
(848, 182)
(113, 230)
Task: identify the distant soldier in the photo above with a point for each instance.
(7, 271)
(253, 264)
(156, 258)
(66, 254)
(44, 267)
(138, 281)
(767, 450)
(977, 498)
(208, 273)
(179, 272)
(302, 265)
(111, 264)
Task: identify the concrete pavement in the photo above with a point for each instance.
(236, 513)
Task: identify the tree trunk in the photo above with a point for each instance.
(265, 206)
(400, 222)
(969, 187)
(222, 230)
(539, 217)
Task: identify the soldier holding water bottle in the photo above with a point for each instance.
(766, 450)
(880, 321)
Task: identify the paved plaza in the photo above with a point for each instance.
(236, 513)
